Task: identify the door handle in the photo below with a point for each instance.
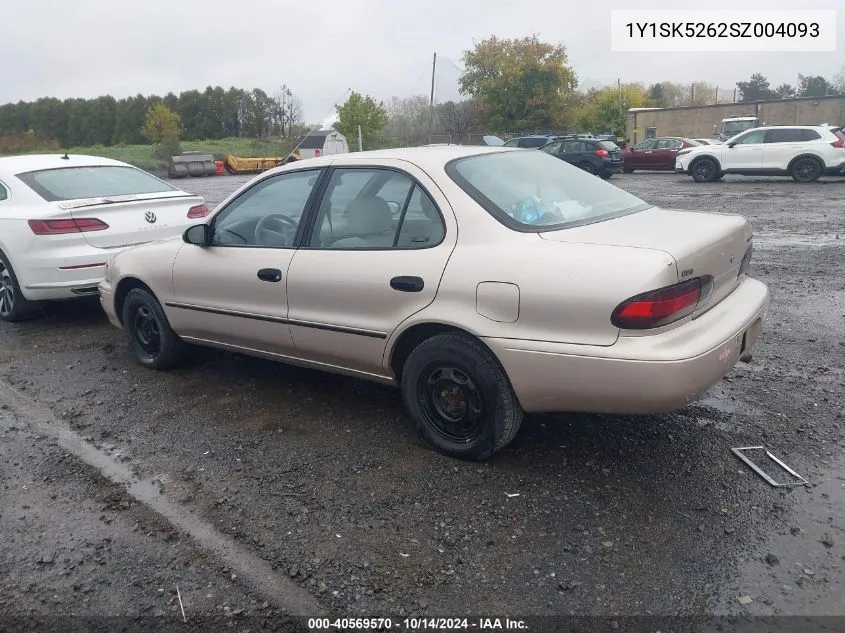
(407, 284)
(270, 274)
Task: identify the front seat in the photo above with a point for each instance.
(371, 220)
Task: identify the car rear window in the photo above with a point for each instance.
(610, 146)
(75, 183)
(534, 191)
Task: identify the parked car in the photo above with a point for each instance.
(804, 152)
(602, 158)
(484, 282)
(655, 154)
(533, 140)
(62, 216)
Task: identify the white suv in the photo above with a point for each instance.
(804, 152)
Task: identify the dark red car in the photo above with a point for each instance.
(655, 153)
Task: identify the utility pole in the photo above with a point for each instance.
(431, 100)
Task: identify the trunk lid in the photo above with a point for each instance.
(135, 218)
(700, 243)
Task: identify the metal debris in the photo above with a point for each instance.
(739, 452)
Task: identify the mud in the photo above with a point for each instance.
(322, 478)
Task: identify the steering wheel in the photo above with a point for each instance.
(275, 230)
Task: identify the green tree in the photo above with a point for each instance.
(161, 126)
(524, 84)
(657, 96)
(784, 91)
(756, 88)
(363, 111)
(815, 86)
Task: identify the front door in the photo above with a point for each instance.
(233, 291)
(746, 152)
(640, 155)
(380, 243)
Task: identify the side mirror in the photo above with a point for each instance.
(199, 235)
(730, 144)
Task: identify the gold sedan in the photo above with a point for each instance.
(485, 282)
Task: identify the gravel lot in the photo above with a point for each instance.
(321, 478)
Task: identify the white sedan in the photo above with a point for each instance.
(63, 216)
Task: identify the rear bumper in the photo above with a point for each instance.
(644, 374)
(612, 167)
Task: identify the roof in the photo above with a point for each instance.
(11, 165)
(429, 158)
(737, 104)
(317, 138)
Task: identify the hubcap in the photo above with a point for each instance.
(146, 331)
(7, 291)
(451, 403)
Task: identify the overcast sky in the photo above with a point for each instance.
(86, 48)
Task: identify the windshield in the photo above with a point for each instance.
(75, 183)
(735, 127)
(534, 191)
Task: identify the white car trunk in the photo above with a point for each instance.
(135, 219)
(701, 244)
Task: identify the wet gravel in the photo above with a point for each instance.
(323, 477)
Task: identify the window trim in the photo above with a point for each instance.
(315, 212)
(6, 191)
(507, 221)
(303, 220)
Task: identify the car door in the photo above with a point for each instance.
(379, 244)
(745, 152)
(664, 153)
(640, 154)
(781, 145)
(233, 290)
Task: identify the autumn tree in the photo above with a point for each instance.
(524, 84)
(363, 111)
(161, 127)
(606, 110)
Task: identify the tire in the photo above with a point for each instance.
(486, 403)
(805, 169)
(14, 307)
(152, 341)
(605, 176)
(627, 170)
(587, 167)
(704, 170)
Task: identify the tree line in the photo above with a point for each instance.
(213, 113)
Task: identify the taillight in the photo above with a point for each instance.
(317, 152)
(601, 152)
(199, 211)
(840, 142)
(661, 307)
(60, 227)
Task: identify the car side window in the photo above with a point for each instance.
(649, 144)
(571, 147)
(376, 208)
(3, 194)
(676, 145)
(751, 138)
(267, 214)
(553, 148)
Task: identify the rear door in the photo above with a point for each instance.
(379, 246)
(663, 155)
(640, 154)
(781, 145)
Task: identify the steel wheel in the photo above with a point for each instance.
(451, 403)
(806, 170)
(145, 328)
(7, 291)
